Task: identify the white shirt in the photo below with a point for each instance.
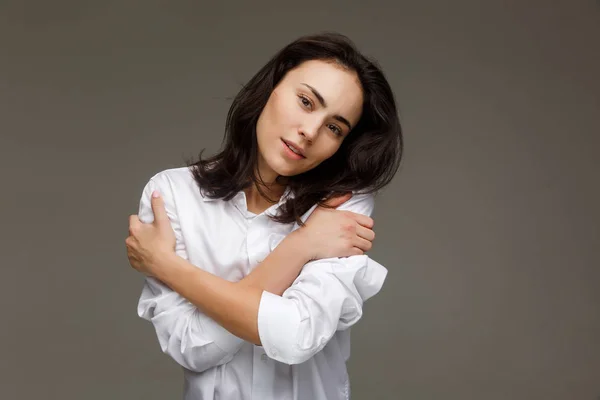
(304, 333)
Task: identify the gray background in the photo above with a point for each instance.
(490, 230)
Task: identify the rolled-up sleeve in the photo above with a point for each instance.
(327, 296)
(191, 338)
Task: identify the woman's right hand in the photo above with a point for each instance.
(336, 233)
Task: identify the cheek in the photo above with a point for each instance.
(285, 112)
(326, 150)
(268, 118)
(266, 129)
(276, 108)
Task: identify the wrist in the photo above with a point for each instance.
(163, 265)
(298, 245)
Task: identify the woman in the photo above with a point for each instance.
(253, 276)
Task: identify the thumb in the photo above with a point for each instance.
(337, 201)
(158, 208)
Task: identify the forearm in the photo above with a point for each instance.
(281, 267)
(190, 337)
(233, 305)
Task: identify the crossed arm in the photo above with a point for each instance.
(201, 320)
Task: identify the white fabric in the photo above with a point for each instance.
(305, 333)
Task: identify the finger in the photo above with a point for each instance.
(158, 208)
(356, 251)
(129, 241)
(362, 244)
(338, 200)
(365, 233)
(362, 219)
(134, 223)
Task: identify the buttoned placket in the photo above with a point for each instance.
(263, 371)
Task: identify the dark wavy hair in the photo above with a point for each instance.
(366, 161)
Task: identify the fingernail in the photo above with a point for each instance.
(155, 194)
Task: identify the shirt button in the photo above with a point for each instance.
(264, 357)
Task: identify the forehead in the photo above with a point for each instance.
(339, 86)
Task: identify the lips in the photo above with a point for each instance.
(297, 150)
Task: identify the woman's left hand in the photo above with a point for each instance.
(148, 244)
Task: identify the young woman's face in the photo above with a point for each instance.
(306, 118)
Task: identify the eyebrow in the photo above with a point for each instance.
(324, 104)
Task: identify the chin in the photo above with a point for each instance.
(285, 172)
(283, 167)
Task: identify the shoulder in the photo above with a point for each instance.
(172, 180)
(176, 186)
(173, 176)
(173, 184)
(361, 203)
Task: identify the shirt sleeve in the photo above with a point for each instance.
(327, 296)
(191, 338)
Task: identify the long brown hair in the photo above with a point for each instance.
(365, 162)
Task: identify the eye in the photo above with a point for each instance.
(335, 129)
(306, 102)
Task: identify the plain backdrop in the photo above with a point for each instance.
(489, 231)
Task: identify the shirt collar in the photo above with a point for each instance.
(287, 194)
(205, 197)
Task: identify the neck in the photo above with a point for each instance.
(258, 202)
(271, 190)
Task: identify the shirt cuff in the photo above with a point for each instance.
(370, 277)
(278, 322)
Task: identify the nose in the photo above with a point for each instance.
(310, 129)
